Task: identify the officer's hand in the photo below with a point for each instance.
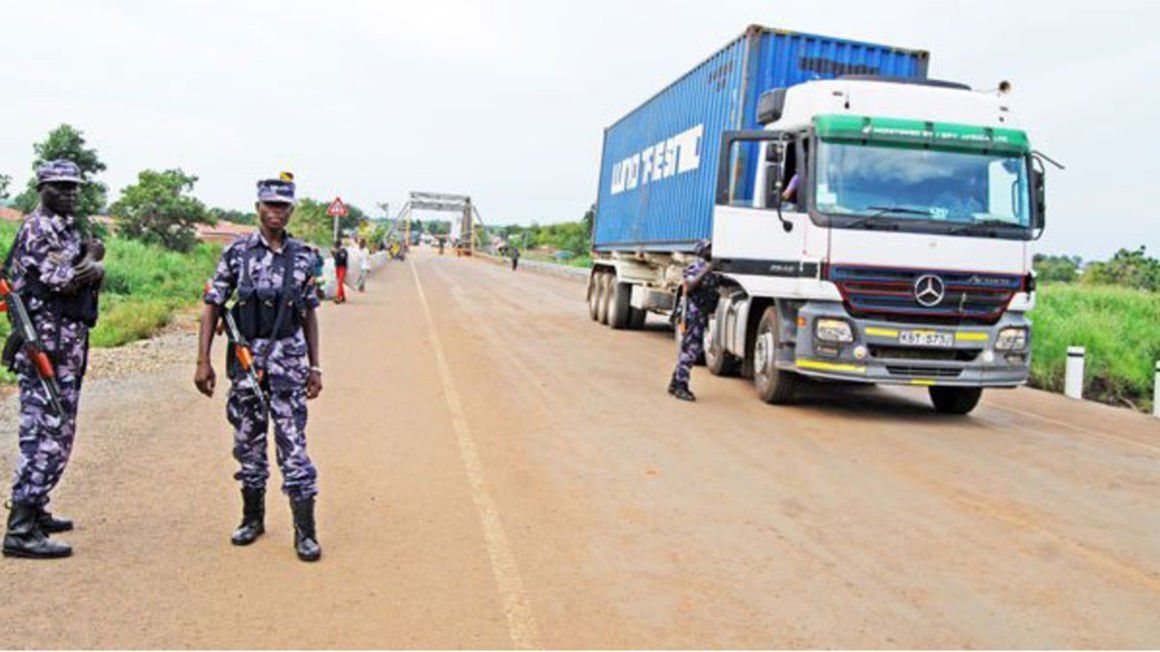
(89, 272)
(205, 378)
(314, 385)
(95, 249)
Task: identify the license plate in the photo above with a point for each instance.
(926, 338)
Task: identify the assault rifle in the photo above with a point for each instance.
(245, 356)
(25, 330)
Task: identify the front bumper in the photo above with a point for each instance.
(878, 356)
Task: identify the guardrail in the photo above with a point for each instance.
(540, 267)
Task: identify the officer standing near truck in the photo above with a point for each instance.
(57, 275)
(275, 314)
(700, 300)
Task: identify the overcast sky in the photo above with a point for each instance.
(507, 101)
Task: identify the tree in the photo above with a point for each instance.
(4, 181)
(1056, 269)
(159, 210)
(589, 220)
(311, 223)
(1129, 268)
(67, 142)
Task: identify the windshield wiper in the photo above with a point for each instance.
(882, 210)
(879, 211)
(980, 224)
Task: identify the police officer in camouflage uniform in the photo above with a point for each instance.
(58, 274)
(275, 311)
(700, 299)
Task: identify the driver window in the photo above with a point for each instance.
(793, 192)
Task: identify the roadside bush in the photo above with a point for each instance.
(1134, 269)
(1117, 326)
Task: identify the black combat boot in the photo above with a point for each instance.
(25, 538)
(681, 391)
(51, 524)
(253, 517)
(305, 541)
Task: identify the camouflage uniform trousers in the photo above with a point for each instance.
(46, 439)
(692, 344)
(288, 407)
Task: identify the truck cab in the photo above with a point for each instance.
(877, 231)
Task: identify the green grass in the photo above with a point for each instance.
(144, 287)
(1118, 327)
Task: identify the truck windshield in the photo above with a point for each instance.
(962, 190)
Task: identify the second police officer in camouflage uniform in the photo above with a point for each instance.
(275, 312)
(700, 299)
(58, 275)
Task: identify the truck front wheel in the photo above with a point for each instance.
(773, 385)
(719, 361)
(955, 400)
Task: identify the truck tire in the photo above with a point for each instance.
(618, 304)
(773, 385)
(605, 294)
(719, 361)
(593, 294)
(955, 400)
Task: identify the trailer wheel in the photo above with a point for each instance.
(773, 385)
(604, 297)
(593, 295)
(719, 361)
(618, 305)
(955, 400)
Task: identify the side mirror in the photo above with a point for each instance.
(773, 152)
(774, 185)
(1039, 196)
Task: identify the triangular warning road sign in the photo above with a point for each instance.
(337, 208)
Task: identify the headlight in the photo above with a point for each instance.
(833, 330)
(1011, 339)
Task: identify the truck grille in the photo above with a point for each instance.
(922, 353)
(889, 293)
(912, 371)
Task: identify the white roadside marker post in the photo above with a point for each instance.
(1073, 376)
(1156, 392)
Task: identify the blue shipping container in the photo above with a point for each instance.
(658, 171)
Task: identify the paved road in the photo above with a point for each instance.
(499, 471)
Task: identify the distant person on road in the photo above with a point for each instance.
(442, 242)
(319, 266)
(516, 259)
(364, 265)
(700, 300)
(340, 259)
(275, 313)
(57, 273)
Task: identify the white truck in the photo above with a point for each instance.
(872, 230)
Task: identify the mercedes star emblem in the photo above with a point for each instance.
(929, 290)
